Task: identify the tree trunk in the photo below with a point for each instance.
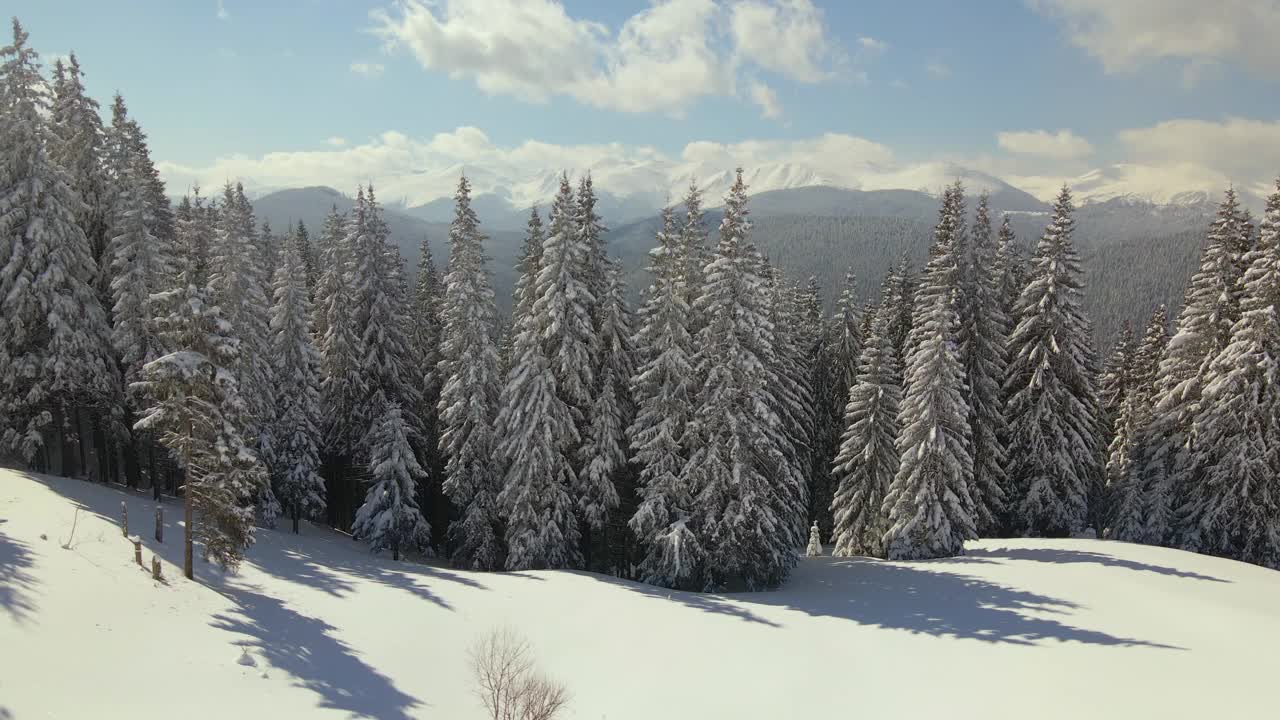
(188, 510)
(296, 513)
(152, 475)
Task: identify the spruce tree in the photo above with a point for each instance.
(299, 486)
(1054, 452)
(300, 238)
(1233, 508)
(868, 460)
(930, 503)
(342, 388)
(194, 235)
(983, 336)
(236, 282)
(537, 437)
(425, 341)
(469, 397)
(79, 149)
(1171, 464)
(1011, 273)
(199, 414)
(663, 386)
(54, 337)
(788, 386)
(743, 518)
(390, 518)
(693, 252)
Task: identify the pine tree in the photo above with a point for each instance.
(835, 373)
(427, 330)
(1054, 451)
(1117, 377)
(1011, 273)
(54, 337)
(198, 413)
(126, 151)
(604, 448)
(847, 338)
(814, 548)
(1172, 465)
(868, 461)
(140, 267)
(525, 293)
(787, 384)
(299, 486)
(389, 517)
(469, 397)
(342, 386)
(1233, 509)
(898, 292)
(536, 442)
(237, 283)
(662, 387)
(301, 241)
(79, 150)
(194, 224)
(742, 521)
(983, 336)
(930, 503)
(378, 316)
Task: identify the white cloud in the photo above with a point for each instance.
(335, 141)
(871, 44)
(767, 99)
(222, 11)
(786, 37)
(1062, 145)
(937, 69)
(369, 69)
(661, 59)
(1248, 151)
(1124, 35)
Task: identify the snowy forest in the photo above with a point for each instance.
(699, 440)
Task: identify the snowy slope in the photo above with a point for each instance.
(1045, 629)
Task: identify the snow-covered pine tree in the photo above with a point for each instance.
(79, 150)
(847, 338)
(898, 292)
(742, 519)
(299, 486)
(54, 338)
(605, 477)
(269, 248)
(126, 147)
(390, 518)
(427, 329)
(1117, 377)
(983, 336)
(378, 313)
(198, 413)
(140, 268)
(813, 348)
(194, 223)
(236, 283)
(693, 252)
(537, 437)
(1011, 272)
(1171, 462)
(1054, 452)
(814, 548)
(342, 386)
(662, 388)
(930, 503)
(787, 384)
(301, 240)
(469, 397)
(835, 373)
(1233, 508)
(868, 460)
(525, 292)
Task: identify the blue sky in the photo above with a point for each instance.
(930, 79)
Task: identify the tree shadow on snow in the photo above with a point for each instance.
(1054, 555)
(16, 581)
(706, 602)
(305, 648)
(898, 596)
(335, 571)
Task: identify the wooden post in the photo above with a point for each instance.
(124, 519)
(159, 523)
(155, 568)
(137, 551)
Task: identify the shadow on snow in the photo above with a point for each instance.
(1064, 557)
(16, 582)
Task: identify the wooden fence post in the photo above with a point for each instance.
(155, 568)
(159, 523)
(124, 519)
(137, 551)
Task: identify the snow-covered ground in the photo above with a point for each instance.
(1015, 629)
